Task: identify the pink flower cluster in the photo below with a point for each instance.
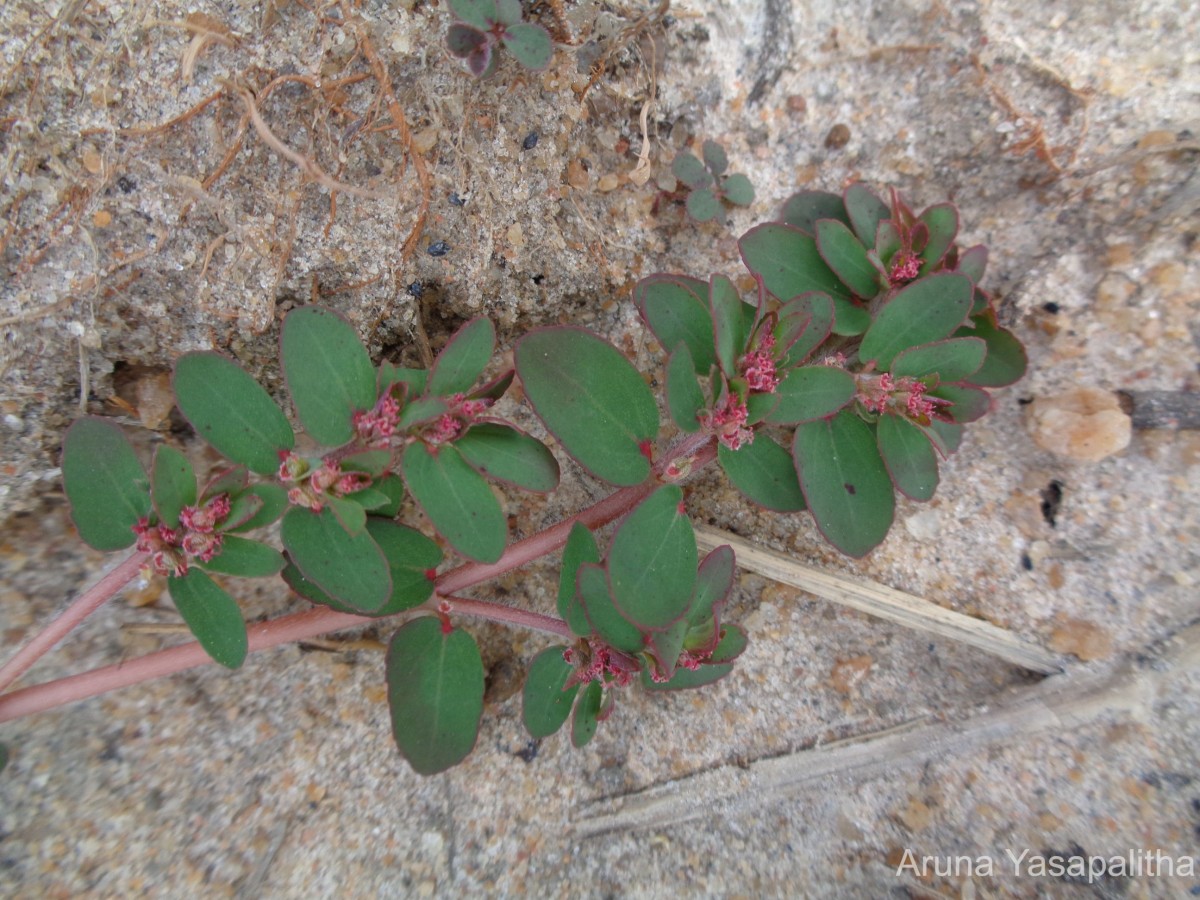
(460, 414)
(906, 396)
(759, 367)
(906, 266)
(171, 549)
(600, 663)
(728, 422)
(314, 486)
(376, 426)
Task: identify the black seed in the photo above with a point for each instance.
(456, 200)
(1026, 562)
(416, 289)
(1052, 496)
(1051, 308)
(126, 184)
(441, 248)
(529, 752)
(530, 141)
(850, 489)
(539, 278)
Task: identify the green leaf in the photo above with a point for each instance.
(529, 44)
(507, 454)
(714, 581)
(703, 206)
(592, 399)
(927, 310)
(230, 481)
(370, 499)
(804, 324)
(738, 190)
(242, 509)
(908, 455)
(606, 621)
(942, 222)
(759, 406)
(508, 12)
(691, 171)
(1006, 361)
(329, 374)
(729, 326)
(665, 646)
(789, 263)
(212, 616)
(435, 694)
(106, 485)
(372, 462)
(580, 548)
(951, 360)
(652, 561)
(494, 389)
(847, 258)
(349, 568)
(844, 482)
(687, 679)
(231, 411)
(969, 402)
(732, 645)
(546, 700)
(245, 558)
(973, 263)
(393, 486)
(172, 484)
(476, 13)
(866, 211)
(465, 41)
(764, 472)
(587, 715)
(812, 392)
(684, 397)
(3, 757)
(463, 359)
(945, 436)
(274, 502)
(421, 412)
(350, 515)
(672, 308)
(390, 375)
(457, 501)
(805, 209)
(715, 157)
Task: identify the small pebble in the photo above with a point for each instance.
(416, 289)
(1085, 424)
(441, 248)
(838, 137)
(530, 141)
(456, 200)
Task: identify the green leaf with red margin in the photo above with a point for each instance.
(969, 402)
(945, 436)
(729, 325)
(435, 693)
(580, 548)
(908, 455)
(463, 359)
(812, 392)
(105, 483)
(865, 211)
(925, 311)
(604, 619)
(231, 411)
(942, 222)
(228, 481)
(422, 411)
(393, 486)
(245, 558)
(457, 501)
(242, 509)
(592, 399)
(955, 359)
(673, 309)
(546, 701)
(732, 645)
(733, 642)
(1006, 361)
(804, 324)
(805, 209)
(587, 715)
(685, 399)
(764, 472)
(212, 616)
(845, 482)
(391, 375)
(274, 503)
(847, 258)
(652, 561)
(329, 374)
(529, 44)
(350, 569)
(172, 484)
(464, 40)
(973, 263)
(509, 455)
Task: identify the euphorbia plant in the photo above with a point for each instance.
(864, 346)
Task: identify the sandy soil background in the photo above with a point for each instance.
(143, 214)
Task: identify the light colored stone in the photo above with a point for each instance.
(1084, 424)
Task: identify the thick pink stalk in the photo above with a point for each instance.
(83, 606)
(509, 615)
(314, 622)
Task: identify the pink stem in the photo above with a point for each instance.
(83, 606)
(508, 615)
(314, 622)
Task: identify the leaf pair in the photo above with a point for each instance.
(487, 23)
(708, 183)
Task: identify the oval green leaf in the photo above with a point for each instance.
(969, 402)
(691, 171)
(847, 258)
(764, 472)
(729, 324)
(685, 399)
(329, 374)
(580, 548)
(845, 482)
(687, 679)
(592, 399)
(812, 392)
(805, 209)
(463, 359)
(172, 484)
(738, 190)
(350, 569)
(703, 206)
(435, 694)
(804, 324)
(908, 455)
(652, 561)
(105, 483)
(604, 619)
(714, 581)
(231, 411)
(672, 308)
(476, 13)
(1006, 361)
(230, 481)
(212, 616)
(546, 700)
(865, 211)
(274, 502)
(955, 359)
(529, 44)
(926, 311)
(509, 455)
(715, 157)
(245, 558)
(457, 500)
(942, 222)
(587, 715)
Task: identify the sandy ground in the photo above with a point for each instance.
(144, 215)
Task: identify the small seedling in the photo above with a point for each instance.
(855, 363)
(708, 185)
(486, 25)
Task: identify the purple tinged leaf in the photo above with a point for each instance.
(925, 311)
(764, 473)
(955, 359)
(887, 241)
(245, 558)
(349, 568)
(805, 209)
(509, 455)
(587, 715)
(865, 211)
(714, 582)
(529, 44)
(172, 484)
(652, 561)
(685, 400)
(592, 399)
(691, 171)
(942, 223)
(212, 616)
(546, 700)
(908, 455)
(812, 392)
(847, 258)
(969, 403)
(463, 40)
(494, 389)
(351, 516)
(845, 482)
(457, 501)
(105, 483)
(804, 324)
(673, 309)
(231, 411)
(463, 359)
(666, 645)
(435, 694)
(580, 548)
